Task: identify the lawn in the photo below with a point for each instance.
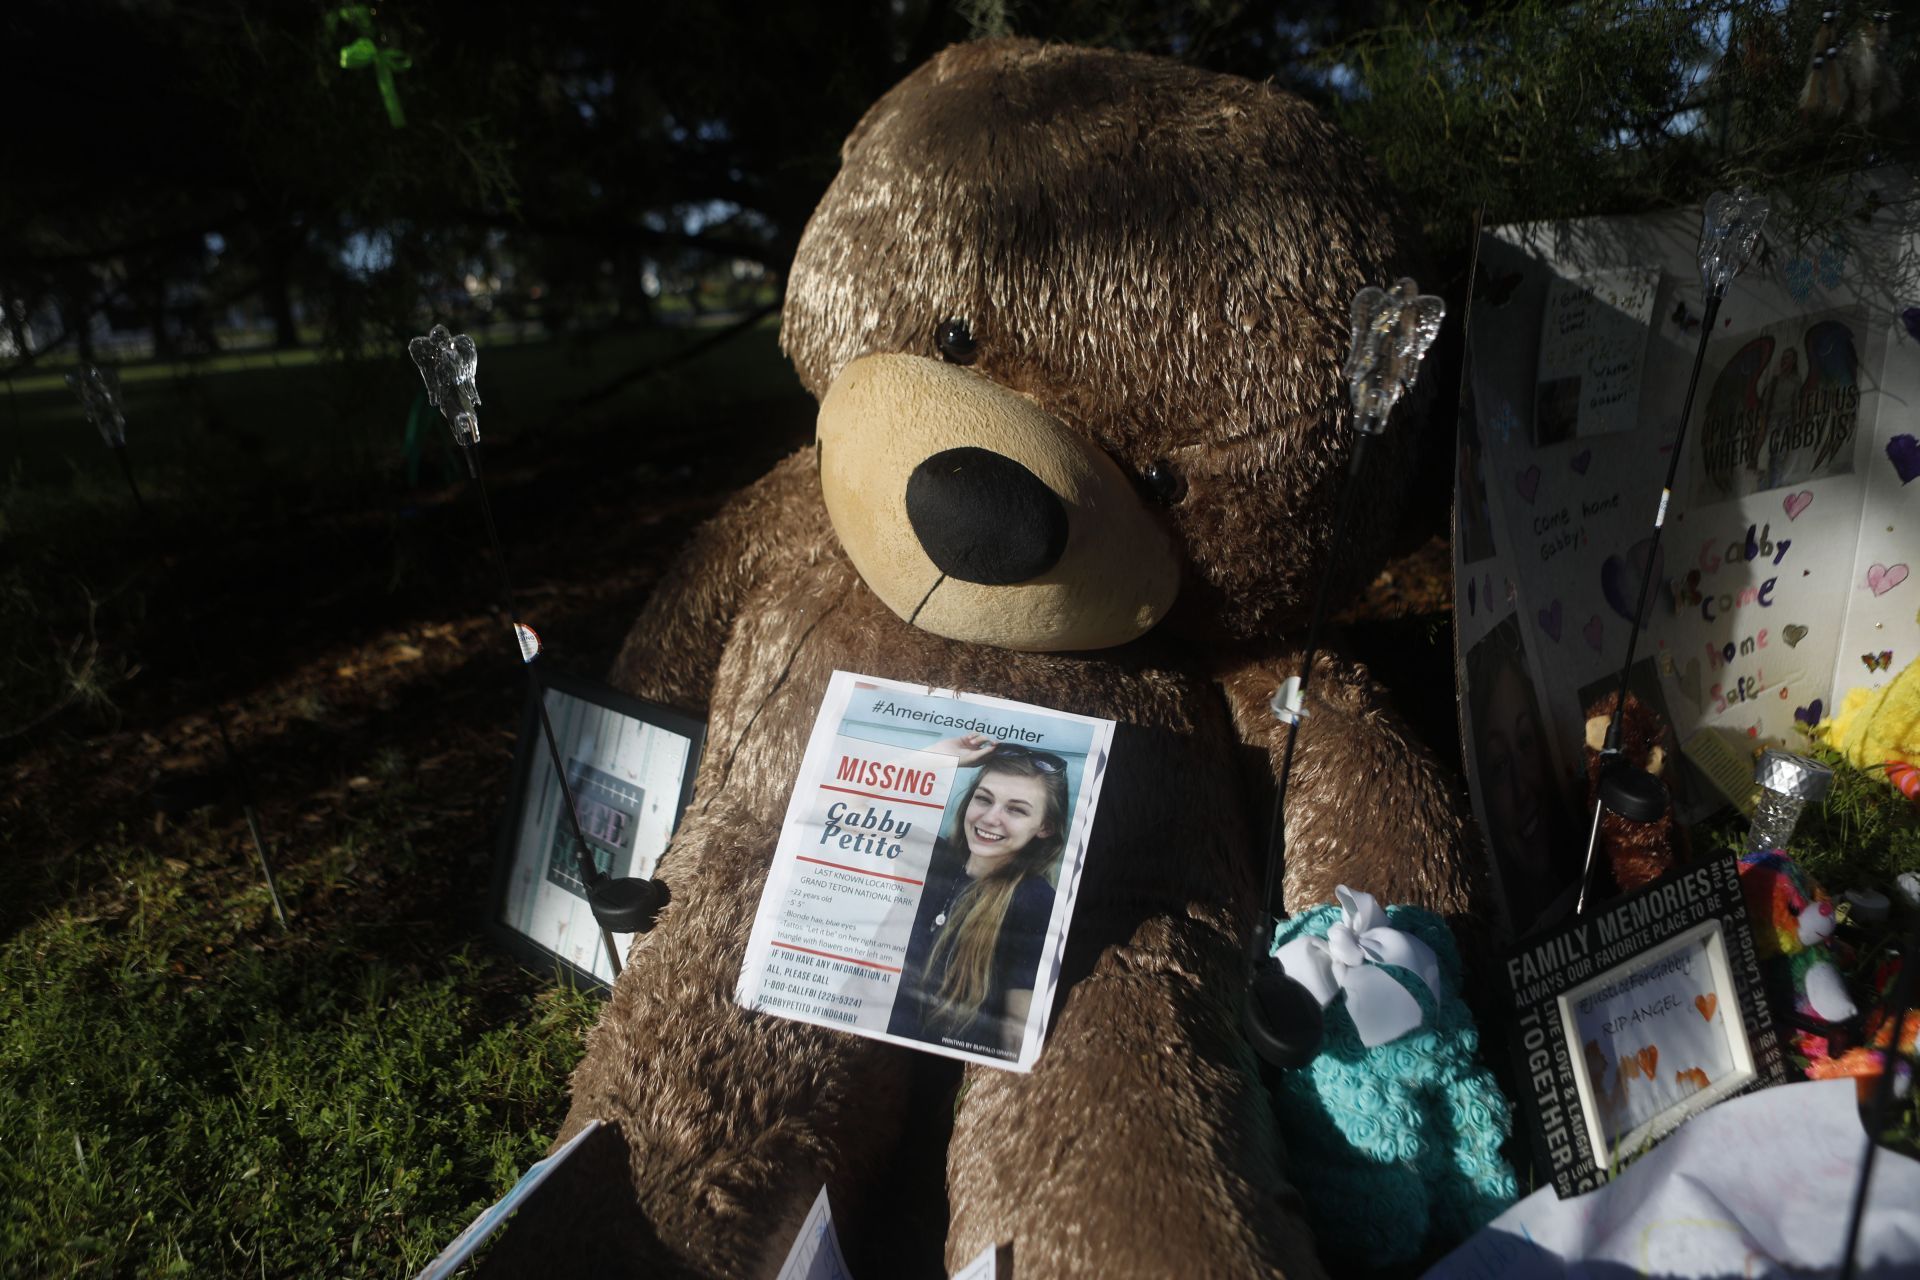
(187, 1087)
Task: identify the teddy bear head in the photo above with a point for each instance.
(1641, 736)
(1077, 321)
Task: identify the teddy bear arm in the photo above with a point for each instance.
(776, 525)
(730, 1120)
(1367, 805)
(1142, 1143)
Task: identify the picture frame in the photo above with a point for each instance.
(631, 764)
(1628, 1020)
(1649, 1097)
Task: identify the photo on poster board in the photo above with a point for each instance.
(1786, 557)
(1634, 1017)
(631, 766)
(927, 868)
(1523, 816)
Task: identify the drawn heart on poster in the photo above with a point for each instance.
(1649, 1059)
(1706, 1004)
(1620, 576)
(1594, 632)
(1809, 715)
(1690, 683)
(1882, 578)
(1797, 502)
(1794, 633)
(1528, 482)
(1903, 451)
(1549, 620)
(1581, 460)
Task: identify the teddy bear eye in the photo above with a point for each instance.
(955, 341)
(1163, 482)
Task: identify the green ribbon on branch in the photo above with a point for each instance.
(365, 53)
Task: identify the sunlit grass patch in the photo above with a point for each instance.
(298, 1110)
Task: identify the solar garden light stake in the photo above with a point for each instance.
(1898, 1002)
(448, 364)
(1392, 330)
(99, 392)
(1729, 230)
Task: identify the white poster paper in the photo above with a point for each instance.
(1783, 576)
(815, 1253)
(927, 869)
(985, 1266)
(1760, 1186)
(1593, 334)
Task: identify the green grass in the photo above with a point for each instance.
(185, 1089)
(300, 1111)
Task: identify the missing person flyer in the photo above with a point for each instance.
(927, 869)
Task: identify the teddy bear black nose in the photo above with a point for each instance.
(982, 517)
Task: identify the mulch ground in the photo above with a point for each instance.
(349, 649)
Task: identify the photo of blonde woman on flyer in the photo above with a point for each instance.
(971, 965)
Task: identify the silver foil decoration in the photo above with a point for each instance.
(99, 392)
(1729, 231)
(1392, 329)
(447, 365)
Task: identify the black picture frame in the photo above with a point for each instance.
(1622, 954)
(535, 871)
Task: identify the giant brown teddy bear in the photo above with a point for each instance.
(1128, 281)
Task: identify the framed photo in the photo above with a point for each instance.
(1656, 1041)
(1635, 1017)
(631, 766)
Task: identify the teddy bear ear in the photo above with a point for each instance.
(1597, 732)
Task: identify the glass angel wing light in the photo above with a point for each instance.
(1392, 329)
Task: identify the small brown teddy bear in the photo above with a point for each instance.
(1639, 848)
(1110, 294)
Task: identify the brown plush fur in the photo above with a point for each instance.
(1161, 259)
(1638, 852)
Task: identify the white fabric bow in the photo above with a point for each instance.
(1345, 960)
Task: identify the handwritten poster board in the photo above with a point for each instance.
(1784, 573)
(1634, 1018)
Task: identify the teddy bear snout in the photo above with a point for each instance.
(976, 514)
(982, 517)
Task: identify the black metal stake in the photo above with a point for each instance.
(1281, 1018)
(590, 875)
(1316, 627)
(126, 468)
(1882, 1098)
(1610, 750)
